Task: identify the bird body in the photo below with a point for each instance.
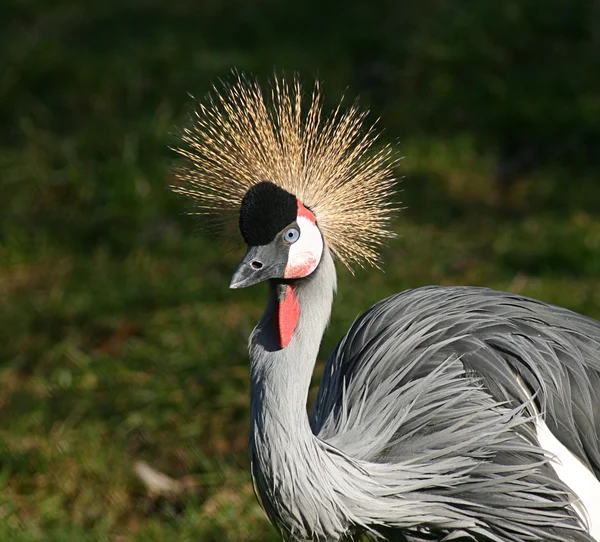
(442, 412)
(524, 355)
(420, 422)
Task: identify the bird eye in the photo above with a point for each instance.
(291, 235)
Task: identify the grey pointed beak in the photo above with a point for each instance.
(260, 263)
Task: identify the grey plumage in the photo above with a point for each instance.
(419, 431)
(496, 335)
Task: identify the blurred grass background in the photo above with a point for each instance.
(120, 341)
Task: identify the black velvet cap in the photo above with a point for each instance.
(266, 209)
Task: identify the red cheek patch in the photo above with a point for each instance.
(288, 314)
(306, 213)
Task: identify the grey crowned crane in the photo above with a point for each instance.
(445, 413)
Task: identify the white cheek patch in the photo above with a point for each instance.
(305, 254)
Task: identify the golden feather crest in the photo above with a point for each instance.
(242, 135)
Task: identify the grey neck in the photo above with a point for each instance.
(281, 376)
(283, 448)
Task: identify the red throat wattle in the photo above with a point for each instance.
(288, 313)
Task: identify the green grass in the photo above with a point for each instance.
(119, 339)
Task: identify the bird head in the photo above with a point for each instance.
(284, 241)
(300, 182)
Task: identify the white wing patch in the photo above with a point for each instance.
(584, 485)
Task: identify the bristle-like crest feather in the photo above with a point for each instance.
(242, 135)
